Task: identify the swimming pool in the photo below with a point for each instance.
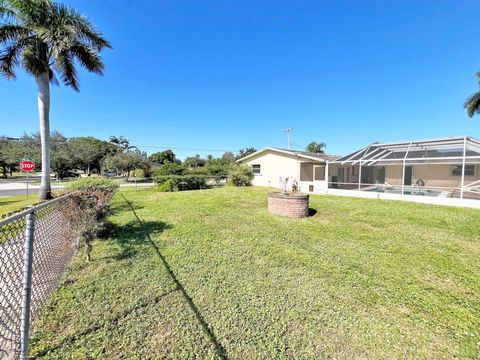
(408, 191)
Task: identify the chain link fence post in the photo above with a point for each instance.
(27, 284)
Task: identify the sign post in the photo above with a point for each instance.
(27, 166)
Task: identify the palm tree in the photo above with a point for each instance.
(122, 143)
(46, 38)
(315, 147)
(472, 104)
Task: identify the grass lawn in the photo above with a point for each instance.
(9, 204)
(210, 274)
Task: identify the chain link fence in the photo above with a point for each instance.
(35, 249)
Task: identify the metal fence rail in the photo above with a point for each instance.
(35, 249)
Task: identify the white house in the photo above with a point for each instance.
(271, 165)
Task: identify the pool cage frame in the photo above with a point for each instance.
(462, 150)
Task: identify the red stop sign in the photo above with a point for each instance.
(27, 165)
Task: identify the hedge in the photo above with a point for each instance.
(181, 182)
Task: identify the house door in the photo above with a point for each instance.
(408, 176)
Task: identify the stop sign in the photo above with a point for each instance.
(27, 165)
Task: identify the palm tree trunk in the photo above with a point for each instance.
(43, 84)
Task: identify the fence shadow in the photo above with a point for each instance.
(147, 228)
(131, 235)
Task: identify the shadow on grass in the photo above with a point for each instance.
(121, 207)
(311, 212)
(9, 202)
(144, 226)
(131, 235)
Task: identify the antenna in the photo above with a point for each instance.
(289, 132)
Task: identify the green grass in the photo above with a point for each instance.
(210, 272)
(10, 204)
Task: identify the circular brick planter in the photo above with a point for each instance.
(294, 205)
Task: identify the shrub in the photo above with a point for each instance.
(92, 184)
(165, 186)
(241, 175)
(171, 169)
(199, 171)
(182, 182)
(87, 208)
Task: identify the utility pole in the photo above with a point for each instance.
(289, 132)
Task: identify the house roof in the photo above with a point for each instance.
(421, 151)
(300, 154)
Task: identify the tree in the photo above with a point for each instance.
(46, 38)
(472, 104)
(163, 157)
(28, 147)
(122, 143)
(244, 152)
(87, 152)
(171, 169)
(229, 157)
(9, 155)
(315, 147)
(61, 156)
(193, 162)
(125, 162)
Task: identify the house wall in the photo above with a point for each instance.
(441, 176)
(393, 174)
(273, 166)
(432, 175)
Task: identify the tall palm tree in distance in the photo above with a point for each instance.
(472, 104)
(45, 39)
(122, 143)
(315, 147)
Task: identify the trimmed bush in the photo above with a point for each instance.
(182, 182)
(87, 208)
(166, 186)
(92, 184)
(171, 169)
(241, 175)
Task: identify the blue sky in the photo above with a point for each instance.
(231, 74)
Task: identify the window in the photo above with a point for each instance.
(469, 170)
(256, 169)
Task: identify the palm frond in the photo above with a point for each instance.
(477, 75)
(10, 58)
(32, 12)
(6, 12)
(42, 34)
(11, 32)
(84, 29)
(64, 63)
(88, 58)
(472, 104)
